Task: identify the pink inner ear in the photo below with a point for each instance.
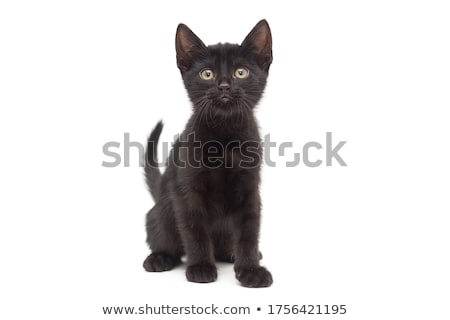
(187, 41)
(184, 42)
(261, 39)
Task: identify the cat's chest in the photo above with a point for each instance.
(233, 154)
(226, 189)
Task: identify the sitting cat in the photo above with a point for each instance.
(207, 203)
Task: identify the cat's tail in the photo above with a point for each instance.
(151, 169)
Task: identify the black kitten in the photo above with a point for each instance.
(207, 201)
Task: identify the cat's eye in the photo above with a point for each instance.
(241, 73)
(207, 74)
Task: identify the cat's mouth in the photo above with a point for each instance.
(225, 98)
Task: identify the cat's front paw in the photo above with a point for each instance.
(201, 273)
(157, 262)
(254, 277)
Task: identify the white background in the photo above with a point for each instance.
(374, 235)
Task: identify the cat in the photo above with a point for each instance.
(207, 203)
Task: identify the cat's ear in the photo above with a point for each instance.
(187, 45)
(259, 42)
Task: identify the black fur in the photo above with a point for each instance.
(207, 203)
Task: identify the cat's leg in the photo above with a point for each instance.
(162, 238)
(246, 253)
(223, 245)
(192, 222)
(223, 242)
(222, 238)
(224, 256)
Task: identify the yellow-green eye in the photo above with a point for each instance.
(241, 73)
(207, 74)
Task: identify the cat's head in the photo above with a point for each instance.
(225, 76)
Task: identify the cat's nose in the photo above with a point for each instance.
(224, 86)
